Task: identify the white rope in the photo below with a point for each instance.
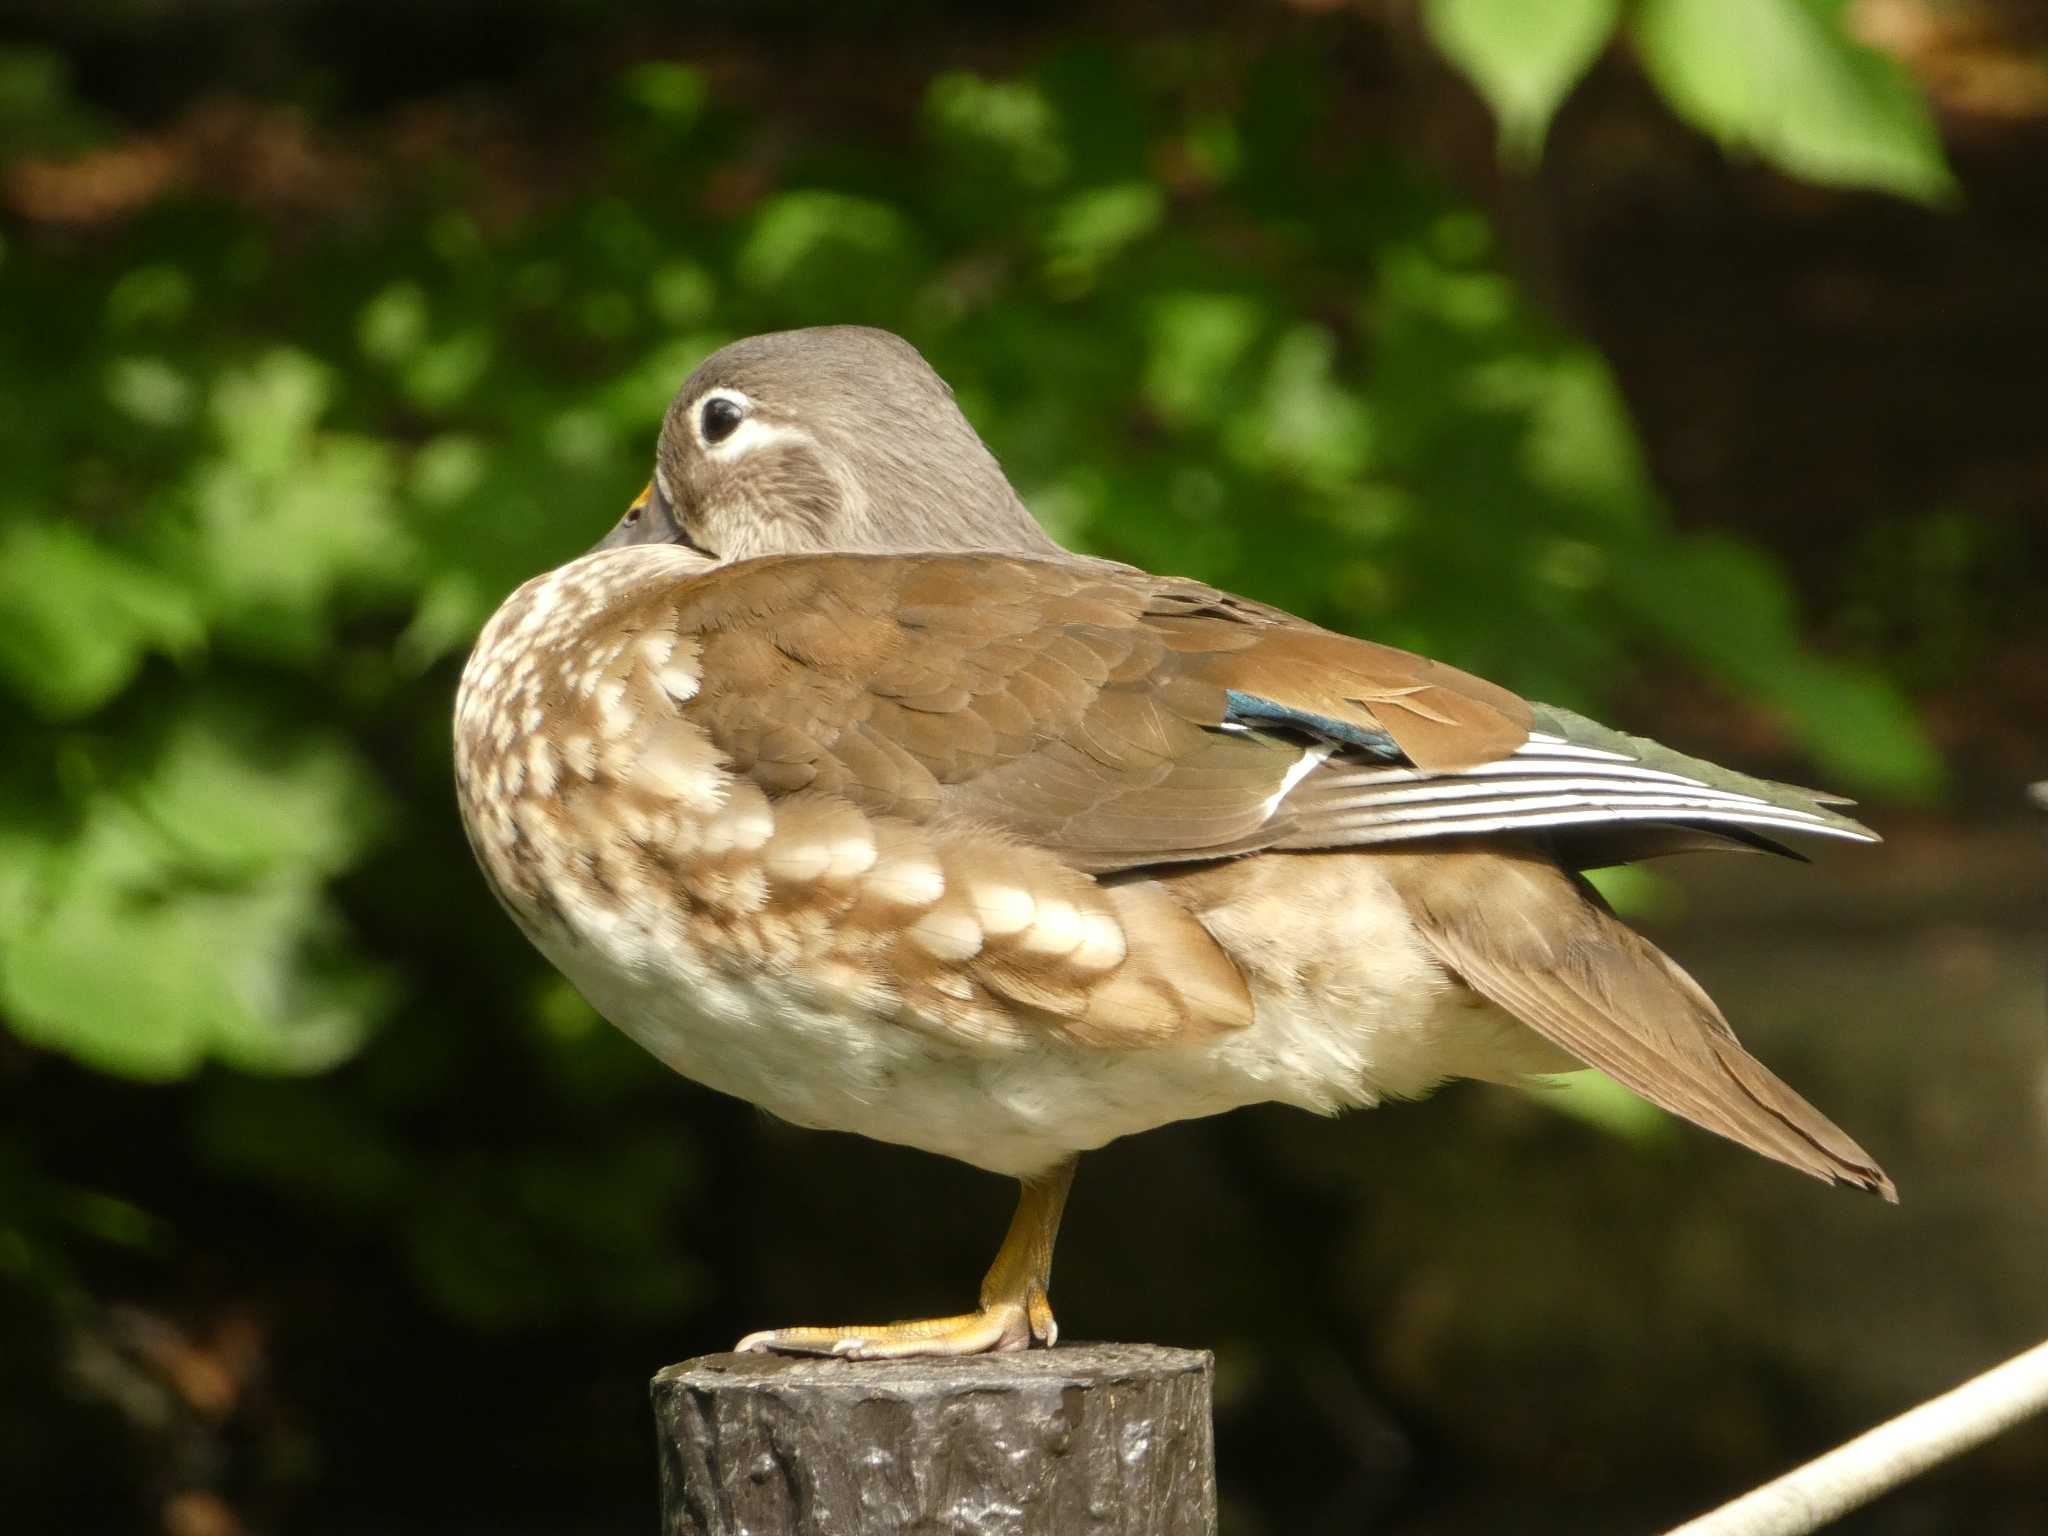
(1851, 1476)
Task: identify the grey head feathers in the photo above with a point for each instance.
(834, 438)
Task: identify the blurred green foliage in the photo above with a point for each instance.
(267, 476)
(1783, 79)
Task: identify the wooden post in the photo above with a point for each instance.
(1083, 1440)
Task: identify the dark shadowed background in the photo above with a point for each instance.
(326, 1207)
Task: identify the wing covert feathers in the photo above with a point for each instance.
(1442, 719)
(1535, 941)
(1086, 709)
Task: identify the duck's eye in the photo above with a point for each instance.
(718, 418)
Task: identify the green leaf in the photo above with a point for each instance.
(186, 919)
(1522, 56)
(1582, 446)
(31, 856)
(150, 390)
(159, 294)
(39, 111)
(447, 469)
(442, 374)
(1723, 603)
(393, 325)
(263, 413)
(284, 517)
(1091, 228)
(199, 973)
(798, 233)
(76, 618)
(674, 94)
(235, 807)
(1309, 425)
(1197, 345)
(1859, 727)
(682, 294)
(450, 612)
(1638, 892)
(1009, 123)
(1596, 1099)
(1784, 79)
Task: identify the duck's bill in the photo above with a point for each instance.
(649, 520)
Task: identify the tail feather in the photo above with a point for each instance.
(1535, 941)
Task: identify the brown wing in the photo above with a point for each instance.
(1114, 718)
(1536, 941)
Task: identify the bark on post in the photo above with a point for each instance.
(1083, 1440)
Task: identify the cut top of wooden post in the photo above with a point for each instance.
(1083, 1440)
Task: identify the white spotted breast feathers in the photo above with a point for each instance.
(929, 982)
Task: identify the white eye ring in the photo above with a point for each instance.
(749, 433)
(699, 409)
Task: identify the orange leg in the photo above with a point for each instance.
(1015, 1308)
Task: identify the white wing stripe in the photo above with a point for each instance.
(1376, 831)
(1535, 807)
(1518, 766)
(1548, 746)
(1626, 768)
(1303, 766)
(1579, 791)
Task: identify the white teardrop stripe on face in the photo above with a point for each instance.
(723, 438)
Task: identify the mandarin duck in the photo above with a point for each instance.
(840, 787)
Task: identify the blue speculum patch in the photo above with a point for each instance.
(1250, 709)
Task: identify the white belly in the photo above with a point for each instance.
(1383, 1022)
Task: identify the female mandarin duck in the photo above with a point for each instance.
(840, 787)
